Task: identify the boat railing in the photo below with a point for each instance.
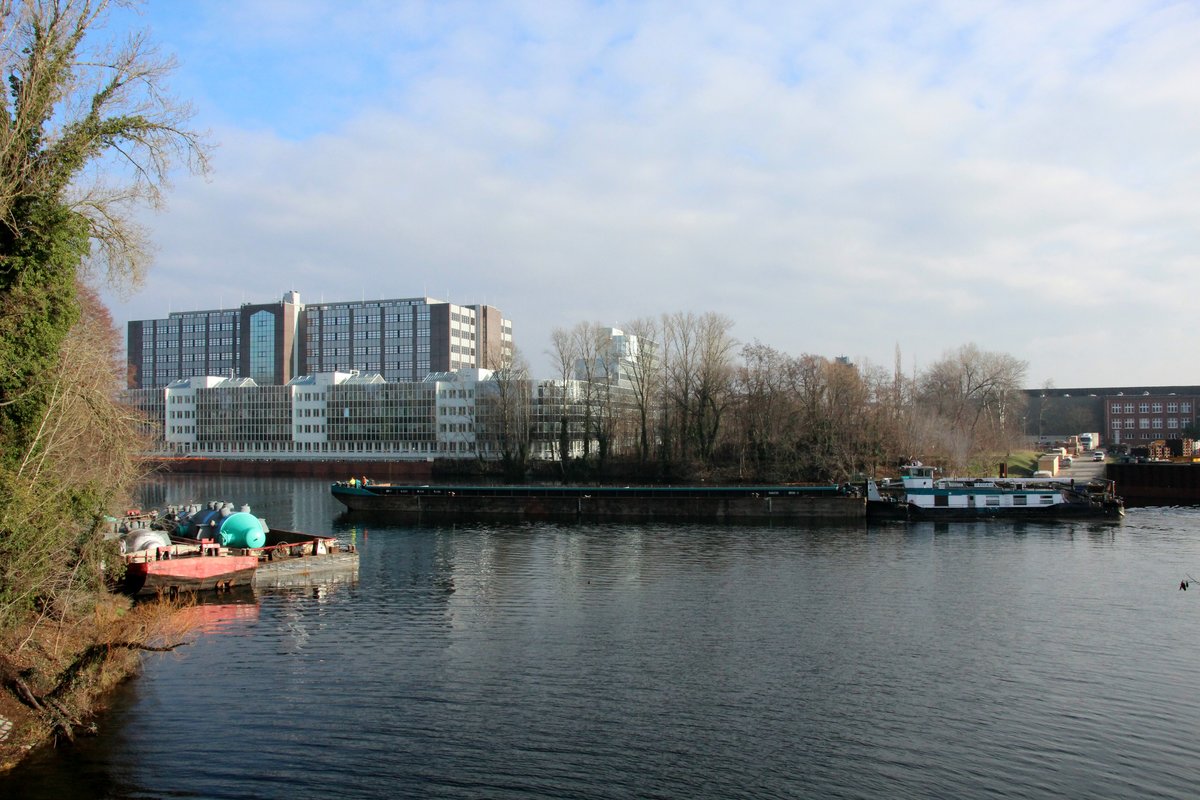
(204, 547)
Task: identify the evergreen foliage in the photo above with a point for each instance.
(67, 450)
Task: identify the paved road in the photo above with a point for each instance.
(1083, 469)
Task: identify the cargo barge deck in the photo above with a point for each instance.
(604, 503)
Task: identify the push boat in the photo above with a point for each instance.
(208, 547)
(919, 495)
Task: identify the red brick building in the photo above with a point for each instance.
(1137, 420)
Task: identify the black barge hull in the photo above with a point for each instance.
(885, 511)
(604, 504)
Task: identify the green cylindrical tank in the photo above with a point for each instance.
(241, 529)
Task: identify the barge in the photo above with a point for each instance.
(173, 569)
(196, 548)
(603, 503)
(918, 495)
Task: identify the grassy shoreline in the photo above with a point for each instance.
(68, 668)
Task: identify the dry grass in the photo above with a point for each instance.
(69, 666)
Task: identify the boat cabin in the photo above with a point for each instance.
(917, 476)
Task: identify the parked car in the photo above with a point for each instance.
(1042, 473)
(1098, 455)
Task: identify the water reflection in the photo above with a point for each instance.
(925, 660)
(212, 612)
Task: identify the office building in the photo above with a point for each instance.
(356, 415)
(272, 343)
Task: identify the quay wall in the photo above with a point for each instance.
(339, 469)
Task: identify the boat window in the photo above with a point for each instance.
(993, 500)
(1020, 500)
(941, 500)
(1047, 499)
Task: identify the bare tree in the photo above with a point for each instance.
(565, 354)
(698, 371)
(589, 341)
(974, 396)
(85, 446)
(645, 376)
(714, 382)
(680, 367)
(510, 402)
(106, 101)
(763, 409)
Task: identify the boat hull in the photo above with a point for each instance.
(1061, 511)
(518, 503)
(191, 573)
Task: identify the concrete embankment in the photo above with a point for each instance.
(396, 471)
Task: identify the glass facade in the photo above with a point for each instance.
(318, 417)
(262, 347)
(400, 339)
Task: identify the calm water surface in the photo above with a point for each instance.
(577, 661)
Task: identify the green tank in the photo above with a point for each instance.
(241, 529)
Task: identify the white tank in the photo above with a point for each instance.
(144, 539)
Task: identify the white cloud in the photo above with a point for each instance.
(835, 181)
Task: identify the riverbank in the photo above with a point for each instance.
(57, 674)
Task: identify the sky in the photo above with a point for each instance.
(841, 179)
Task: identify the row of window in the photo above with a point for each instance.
(1173, 407)
(217, 360)
(943, 500)
(162, 343)
(326, 447)
(1144, 423)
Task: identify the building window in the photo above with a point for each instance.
(1143, 423)
(1157, 424)
(1143, 408)
(262, 346)
(1156, 408)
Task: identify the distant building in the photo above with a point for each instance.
(1051, 413)
(272, 343)
(1137, 420)
(617, 361)
(353, 415)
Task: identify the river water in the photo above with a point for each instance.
(612, 661)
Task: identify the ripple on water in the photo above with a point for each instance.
(990, 660)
